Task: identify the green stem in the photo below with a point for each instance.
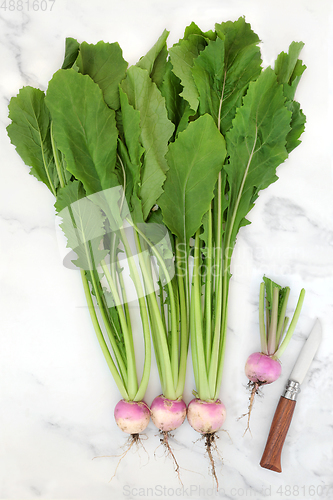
(107, 325)
(101, 340)
(184, 334)
(268, 320)
(174, 327)
(281, 322)
(224, 315)
(124, 297)
(157, 348)
(53, 190)
(271, 343)
(132, 381)
(208, 291)
(100, 302)
(263, 338)
(218, 245)
(202, 382)
(162, 305)
(218, 306)
(56, 158)
(161, 334)
(292, 326)
(193, 337)
(285, 324)
(144, 318)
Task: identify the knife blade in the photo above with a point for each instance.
(271, 458)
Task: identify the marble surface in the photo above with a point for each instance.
(58, 439)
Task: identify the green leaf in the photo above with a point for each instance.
(30, 134)
(105, 64)
(269, 287)
(131, 129)
(155, 59)
(69, 194)
(298, 120)
(256, 145)
(193, 29)
(237, 36)
(182, 56)
(289, 70)
(82, 224)
(223, 70)
(155, 132)
(194, 160)
(72, 49)
(84, 129)
(132, 186)
(178, 109)
(208, 74)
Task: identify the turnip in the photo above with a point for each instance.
(264, 367)
(166, 414)
(132, 417)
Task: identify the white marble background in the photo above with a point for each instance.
(58, 439)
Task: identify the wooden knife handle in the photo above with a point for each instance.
(271, 458)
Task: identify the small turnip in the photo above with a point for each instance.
(167, 415)
(132, 417)
(264, 367)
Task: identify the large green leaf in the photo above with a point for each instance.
(178, 108)
(237, 36)
(131, 153)
(30, 134)
(155, 59)
(256, 146)
(105, 64)
(84, 129)
(182, 56)
(223, 70)
(193, 29)
(289, 69)
(156, 130)
(194, 159)
(72, 49)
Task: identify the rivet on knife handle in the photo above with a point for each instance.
(271, 458)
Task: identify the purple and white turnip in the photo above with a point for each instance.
(264, 367)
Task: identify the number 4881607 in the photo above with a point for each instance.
(27, 5)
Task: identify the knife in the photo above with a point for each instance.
(271, 458)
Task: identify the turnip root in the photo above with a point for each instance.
(167, 415)
(207, 417)
(264, 367)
